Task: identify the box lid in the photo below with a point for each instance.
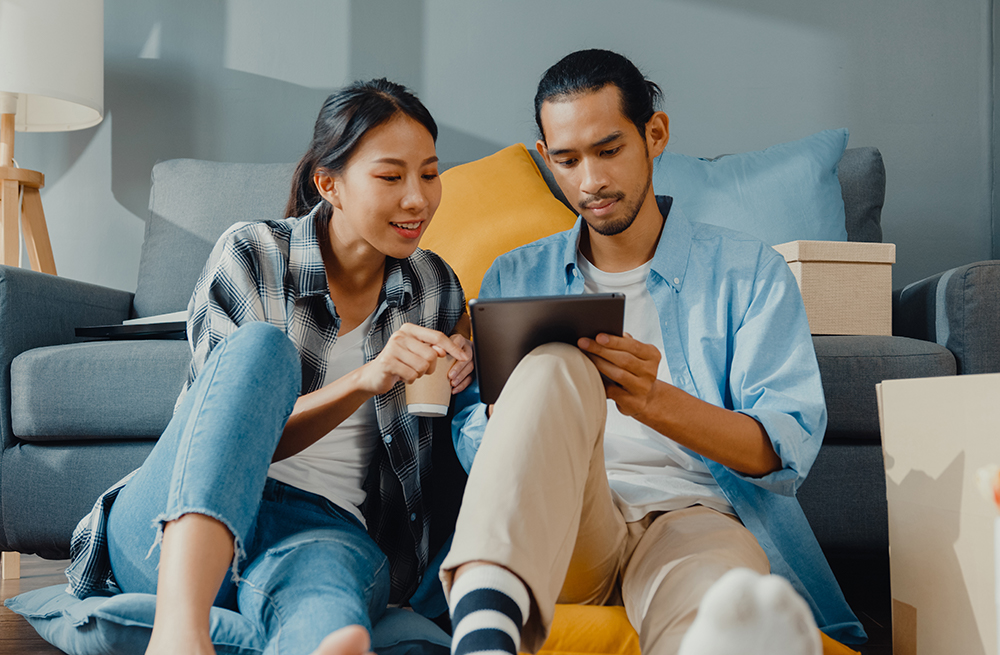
(838, 251)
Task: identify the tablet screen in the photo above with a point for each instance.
(504, 330)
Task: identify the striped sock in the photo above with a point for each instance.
(489, 606)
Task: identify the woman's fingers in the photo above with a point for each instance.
(439, 340)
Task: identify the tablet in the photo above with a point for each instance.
(167, 330)
(504, 330)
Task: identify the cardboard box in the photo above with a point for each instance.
(846, 286)
(936, 433)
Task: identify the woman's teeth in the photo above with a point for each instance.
(407, 226)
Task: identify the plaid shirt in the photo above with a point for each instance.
(272, 271)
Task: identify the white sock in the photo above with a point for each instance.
(489, 605)
(751, 614)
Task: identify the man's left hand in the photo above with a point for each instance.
(629, 368)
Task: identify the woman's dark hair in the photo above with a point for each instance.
(586, 71)
(346, 117)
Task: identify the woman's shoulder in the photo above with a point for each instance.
(428, 265)
(260, 232)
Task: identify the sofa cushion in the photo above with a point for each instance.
(787, 192)
(121, 624)
(191, 203)
(851, 366)
(488, 207)
(959, 309)
(844, 499)
(48, 487)
(104, 389)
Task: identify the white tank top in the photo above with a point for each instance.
(335, 467)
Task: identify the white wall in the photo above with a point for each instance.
(242, 80)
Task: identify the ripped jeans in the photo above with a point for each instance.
(303, 567)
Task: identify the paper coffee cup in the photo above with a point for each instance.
(430, 395)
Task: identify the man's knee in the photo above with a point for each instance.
(563, 361)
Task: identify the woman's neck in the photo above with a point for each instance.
(354, 275)
(351, 261)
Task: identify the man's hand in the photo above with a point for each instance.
(461, 372)
(629, 368)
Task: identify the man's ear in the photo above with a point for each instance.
(657, 133)
(327, 186)
(544, 152)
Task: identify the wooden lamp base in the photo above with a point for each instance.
(15, 182)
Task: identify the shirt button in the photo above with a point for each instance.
(388, 438)
(677, 280)
(413, 517)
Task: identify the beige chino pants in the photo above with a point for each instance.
(538, 503)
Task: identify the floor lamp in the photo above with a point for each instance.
(51, 80)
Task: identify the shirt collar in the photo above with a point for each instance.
(671, 257)
(305, 264)
(670, 260)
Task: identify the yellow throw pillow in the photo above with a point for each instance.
(488, 207)
(586, 629)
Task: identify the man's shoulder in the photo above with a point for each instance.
(725, 247)
(546, 249)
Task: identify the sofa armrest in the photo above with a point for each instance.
(958, 309)
(37, 309)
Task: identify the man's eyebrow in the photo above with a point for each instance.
(614, 136)
(400, 162)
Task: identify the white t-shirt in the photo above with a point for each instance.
(335, 467)
(647, 471)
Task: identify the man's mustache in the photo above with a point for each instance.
(591, 200)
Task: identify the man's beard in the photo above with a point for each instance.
(617, 226)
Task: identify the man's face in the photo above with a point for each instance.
(598, 158)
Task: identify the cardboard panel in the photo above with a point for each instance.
(936, 432)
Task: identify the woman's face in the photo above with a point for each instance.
(385, 197)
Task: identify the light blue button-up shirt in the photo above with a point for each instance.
(735, 335)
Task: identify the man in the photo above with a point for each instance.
(713, 415)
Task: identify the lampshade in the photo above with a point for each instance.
(52, 58)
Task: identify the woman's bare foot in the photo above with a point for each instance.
(177, 643)
(352, 640)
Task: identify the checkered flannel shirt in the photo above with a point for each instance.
(272, 271)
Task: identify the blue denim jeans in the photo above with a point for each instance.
(303, 567)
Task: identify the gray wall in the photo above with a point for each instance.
(242, 80)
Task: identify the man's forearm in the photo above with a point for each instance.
(727, 437)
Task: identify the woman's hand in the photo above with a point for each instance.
(412, 351)
(461, 372)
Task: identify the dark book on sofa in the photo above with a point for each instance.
(168, 330)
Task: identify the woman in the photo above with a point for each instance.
(340, 306)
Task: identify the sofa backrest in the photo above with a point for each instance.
(862, 183)
(192, 202)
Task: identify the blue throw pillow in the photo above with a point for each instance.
(121, 625)
(784, 193)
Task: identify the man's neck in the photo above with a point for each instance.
(629, 249)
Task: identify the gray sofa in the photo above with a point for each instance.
(75, 416)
